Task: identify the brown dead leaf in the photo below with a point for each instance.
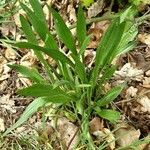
(29, 59)
(2, 126)
(72, 13)
(131, 92)
(7, 103)
(96, 36)
(96, 124)
(103, 25)
(68, 132)
(10, 54)
(145, 104)
(95, 8)
(107, 135)
(128, 71)
(126, 134)
(147, 73)
(2, 62)
(7, 29)
(144, 38)
(89, 58)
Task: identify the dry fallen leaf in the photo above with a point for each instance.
(95, 8)
(96, 36)
(107, 135)
(96, 124)
(145, 104)
(127, 71)
(147, 73)
(126, 134)
(10, 54)
(131, 92)
(72, 13)
(67, 131)
(144, 38)
(7, 103)
(89, 58)
(2, 126)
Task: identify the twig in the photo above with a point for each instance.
(72, 138)
(111, 5)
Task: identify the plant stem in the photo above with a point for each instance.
(110, 17)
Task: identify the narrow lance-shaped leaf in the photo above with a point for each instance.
(107, 74)
(80, 69)
(38, 10)
(27, 30)
(110, 96)
(84, 45)
(107, 47)
(32, 74)
(114, 48)
(39, 26)
(55, 54)
(32, 39)
(29, 111)
(81, 26)
(63, 32)
(109, 114)
(42, 90)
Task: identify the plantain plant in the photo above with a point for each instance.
(71, 84)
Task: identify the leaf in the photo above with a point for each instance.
(63, 32)
(109, 114)
(80, 69)
(50, 42)
(33, 74)
(32, 39)
(107, 47)
(42, 90)
(27, 30)
(87, 2)
(84, 45)
(55, 54)
(40, 27)
(110, 96)
(107, 75)
(81, 26)
(38, 9)
(29, 111)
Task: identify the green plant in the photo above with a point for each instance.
(71, 85)
(138, 2)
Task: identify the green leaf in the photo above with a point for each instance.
(27, 30)
(40, 27)
(128, 36)
(110, 96)
(55, 54)
(32, 39)
(84, 45)
(38, 9)
(50, 42)
(107, 75)
(80, 69)
(63, 32)
(29, 111)
(42, 90)
(109, 114)
(32, 74)
(87, 2)
(107, 47)
(81, 26)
